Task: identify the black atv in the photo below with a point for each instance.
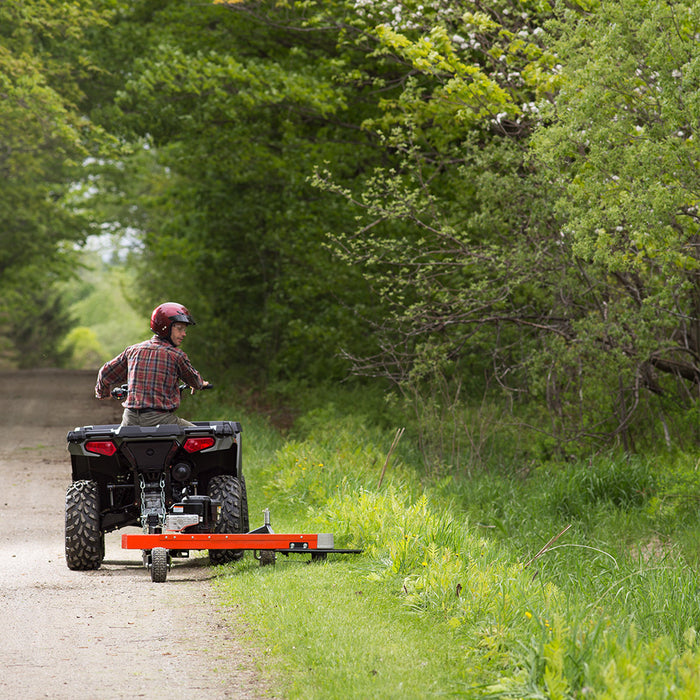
(162, 479)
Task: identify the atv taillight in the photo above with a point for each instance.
(101, 447)
(197, 444)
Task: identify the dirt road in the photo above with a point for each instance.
(103, 634)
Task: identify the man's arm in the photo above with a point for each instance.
(113, 372)
(189, 374)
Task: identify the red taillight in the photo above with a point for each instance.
(197, 444)
(101, 447)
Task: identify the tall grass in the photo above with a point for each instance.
(460, 572)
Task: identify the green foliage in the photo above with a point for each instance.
(625, 485)
(457, 238)
(102, 298)
(33, 316)
(557, 287)
(235, 108)
(308, 472)
(83, 350)
(618, 141)
(44, 137)
(622, 94)
(606, 609)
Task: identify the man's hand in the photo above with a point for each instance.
(206, 385)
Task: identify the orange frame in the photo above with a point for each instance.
(251, 540)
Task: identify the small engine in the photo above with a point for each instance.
(193, 513)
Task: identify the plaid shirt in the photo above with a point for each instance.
(153, 370)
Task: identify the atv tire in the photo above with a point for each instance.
(244, 506)
(234, 513)
(84, 539)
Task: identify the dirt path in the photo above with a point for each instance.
(104, 634)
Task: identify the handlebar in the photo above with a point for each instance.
(121, 392)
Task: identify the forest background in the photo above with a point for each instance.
(477, 220)
(474, 204)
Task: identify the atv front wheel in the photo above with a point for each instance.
(228, 491)
(84, 539)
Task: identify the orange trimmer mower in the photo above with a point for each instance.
(264, 542)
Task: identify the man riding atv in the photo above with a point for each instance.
(155, 471)
(182, 483)
(153, 370)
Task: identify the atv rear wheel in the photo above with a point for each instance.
(84, 539)
(229, 492)
(244, 506)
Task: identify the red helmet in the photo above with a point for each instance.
(165, 315)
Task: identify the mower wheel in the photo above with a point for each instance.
(159, 564)
(228, 491)
(267, 557)
(84, 539)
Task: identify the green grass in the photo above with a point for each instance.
(328, 631)
(456, 594)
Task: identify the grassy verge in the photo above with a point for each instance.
(458, 593)
(328, 631)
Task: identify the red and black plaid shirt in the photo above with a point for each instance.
(153, 370)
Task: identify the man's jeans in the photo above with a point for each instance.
(151, 418)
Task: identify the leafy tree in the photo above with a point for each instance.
(102, 300)
(457, 238)
(423, 115)
(620, 139)
(236, 106)
(36, 331)
(588, 304)
(83, 348)
(43, 139)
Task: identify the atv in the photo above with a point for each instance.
(163, 479)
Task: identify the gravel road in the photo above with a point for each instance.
(103, 634)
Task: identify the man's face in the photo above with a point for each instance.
(178, 333)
